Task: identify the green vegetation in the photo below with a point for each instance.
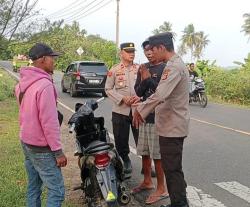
(6, 85)
(13, 180)
(66, 39)
(232, 86)
(20, 28)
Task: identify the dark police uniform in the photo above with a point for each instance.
(120, 82)
(170, 102)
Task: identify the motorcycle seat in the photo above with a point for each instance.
(97, 146)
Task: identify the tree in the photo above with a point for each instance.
(200, 43)
(12, 14)
(188, 40)
(246, 64)
(192, 41)
(66, 39)
(246, 25)
(165, 27)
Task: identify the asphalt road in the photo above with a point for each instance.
(216, 158)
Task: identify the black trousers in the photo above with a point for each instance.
(121, 127)
(171, 157)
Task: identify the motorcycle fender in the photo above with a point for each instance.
(107, 181)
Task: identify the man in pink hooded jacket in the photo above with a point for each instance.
(39, 128)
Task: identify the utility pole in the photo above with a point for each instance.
(117, 23)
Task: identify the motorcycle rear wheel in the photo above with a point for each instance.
(203, 100)
(94, 196)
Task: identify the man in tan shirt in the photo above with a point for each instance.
(120, 89)
(170, 102)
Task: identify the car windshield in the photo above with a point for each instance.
(93, 67)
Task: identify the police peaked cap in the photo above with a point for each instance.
(127, 46)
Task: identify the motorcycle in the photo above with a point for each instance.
(101, 168)
(197, 92)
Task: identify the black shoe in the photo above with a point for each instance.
(153, 174)
(127, 166)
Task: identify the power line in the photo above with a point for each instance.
(79, 11)
(69, 7)
(73, 11)
(97, 9)
(86, 13)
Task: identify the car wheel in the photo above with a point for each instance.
(64, 90)
(72, 92)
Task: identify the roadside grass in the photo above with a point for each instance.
(218, 100)
(13, 179)
(6, 85)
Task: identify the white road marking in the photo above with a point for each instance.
(221, 126)
(236, 189)
(197, 198)
(65, 106)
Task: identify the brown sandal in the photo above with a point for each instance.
(155, 198)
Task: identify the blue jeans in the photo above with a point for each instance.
(42, 170)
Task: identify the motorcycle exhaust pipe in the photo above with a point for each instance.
(125, 199)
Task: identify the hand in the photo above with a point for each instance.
(137, 119)
(61, 161)
(126, 100)
(145, 74)
(134, 100)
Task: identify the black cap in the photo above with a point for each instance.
(162, 38)
(128, 46)
(145, 43)
(39, 50)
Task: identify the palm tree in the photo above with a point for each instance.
(193, 41)
(201, 41)
(165, 27)
(188, 39)
(246, 25)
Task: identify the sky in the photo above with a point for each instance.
(221, 20)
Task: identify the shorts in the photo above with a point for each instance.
(148, 141)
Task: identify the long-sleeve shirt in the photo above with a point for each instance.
(120, 82)
(147, 87)
(170, 101)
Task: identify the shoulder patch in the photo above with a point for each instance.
(165, 74)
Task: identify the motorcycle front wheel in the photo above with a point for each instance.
(202, 99)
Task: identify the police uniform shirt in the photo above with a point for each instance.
(170, 101)
(120, 82)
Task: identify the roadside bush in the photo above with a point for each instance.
(231, 86)
(6, 85)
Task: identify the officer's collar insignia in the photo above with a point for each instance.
(109, 73)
